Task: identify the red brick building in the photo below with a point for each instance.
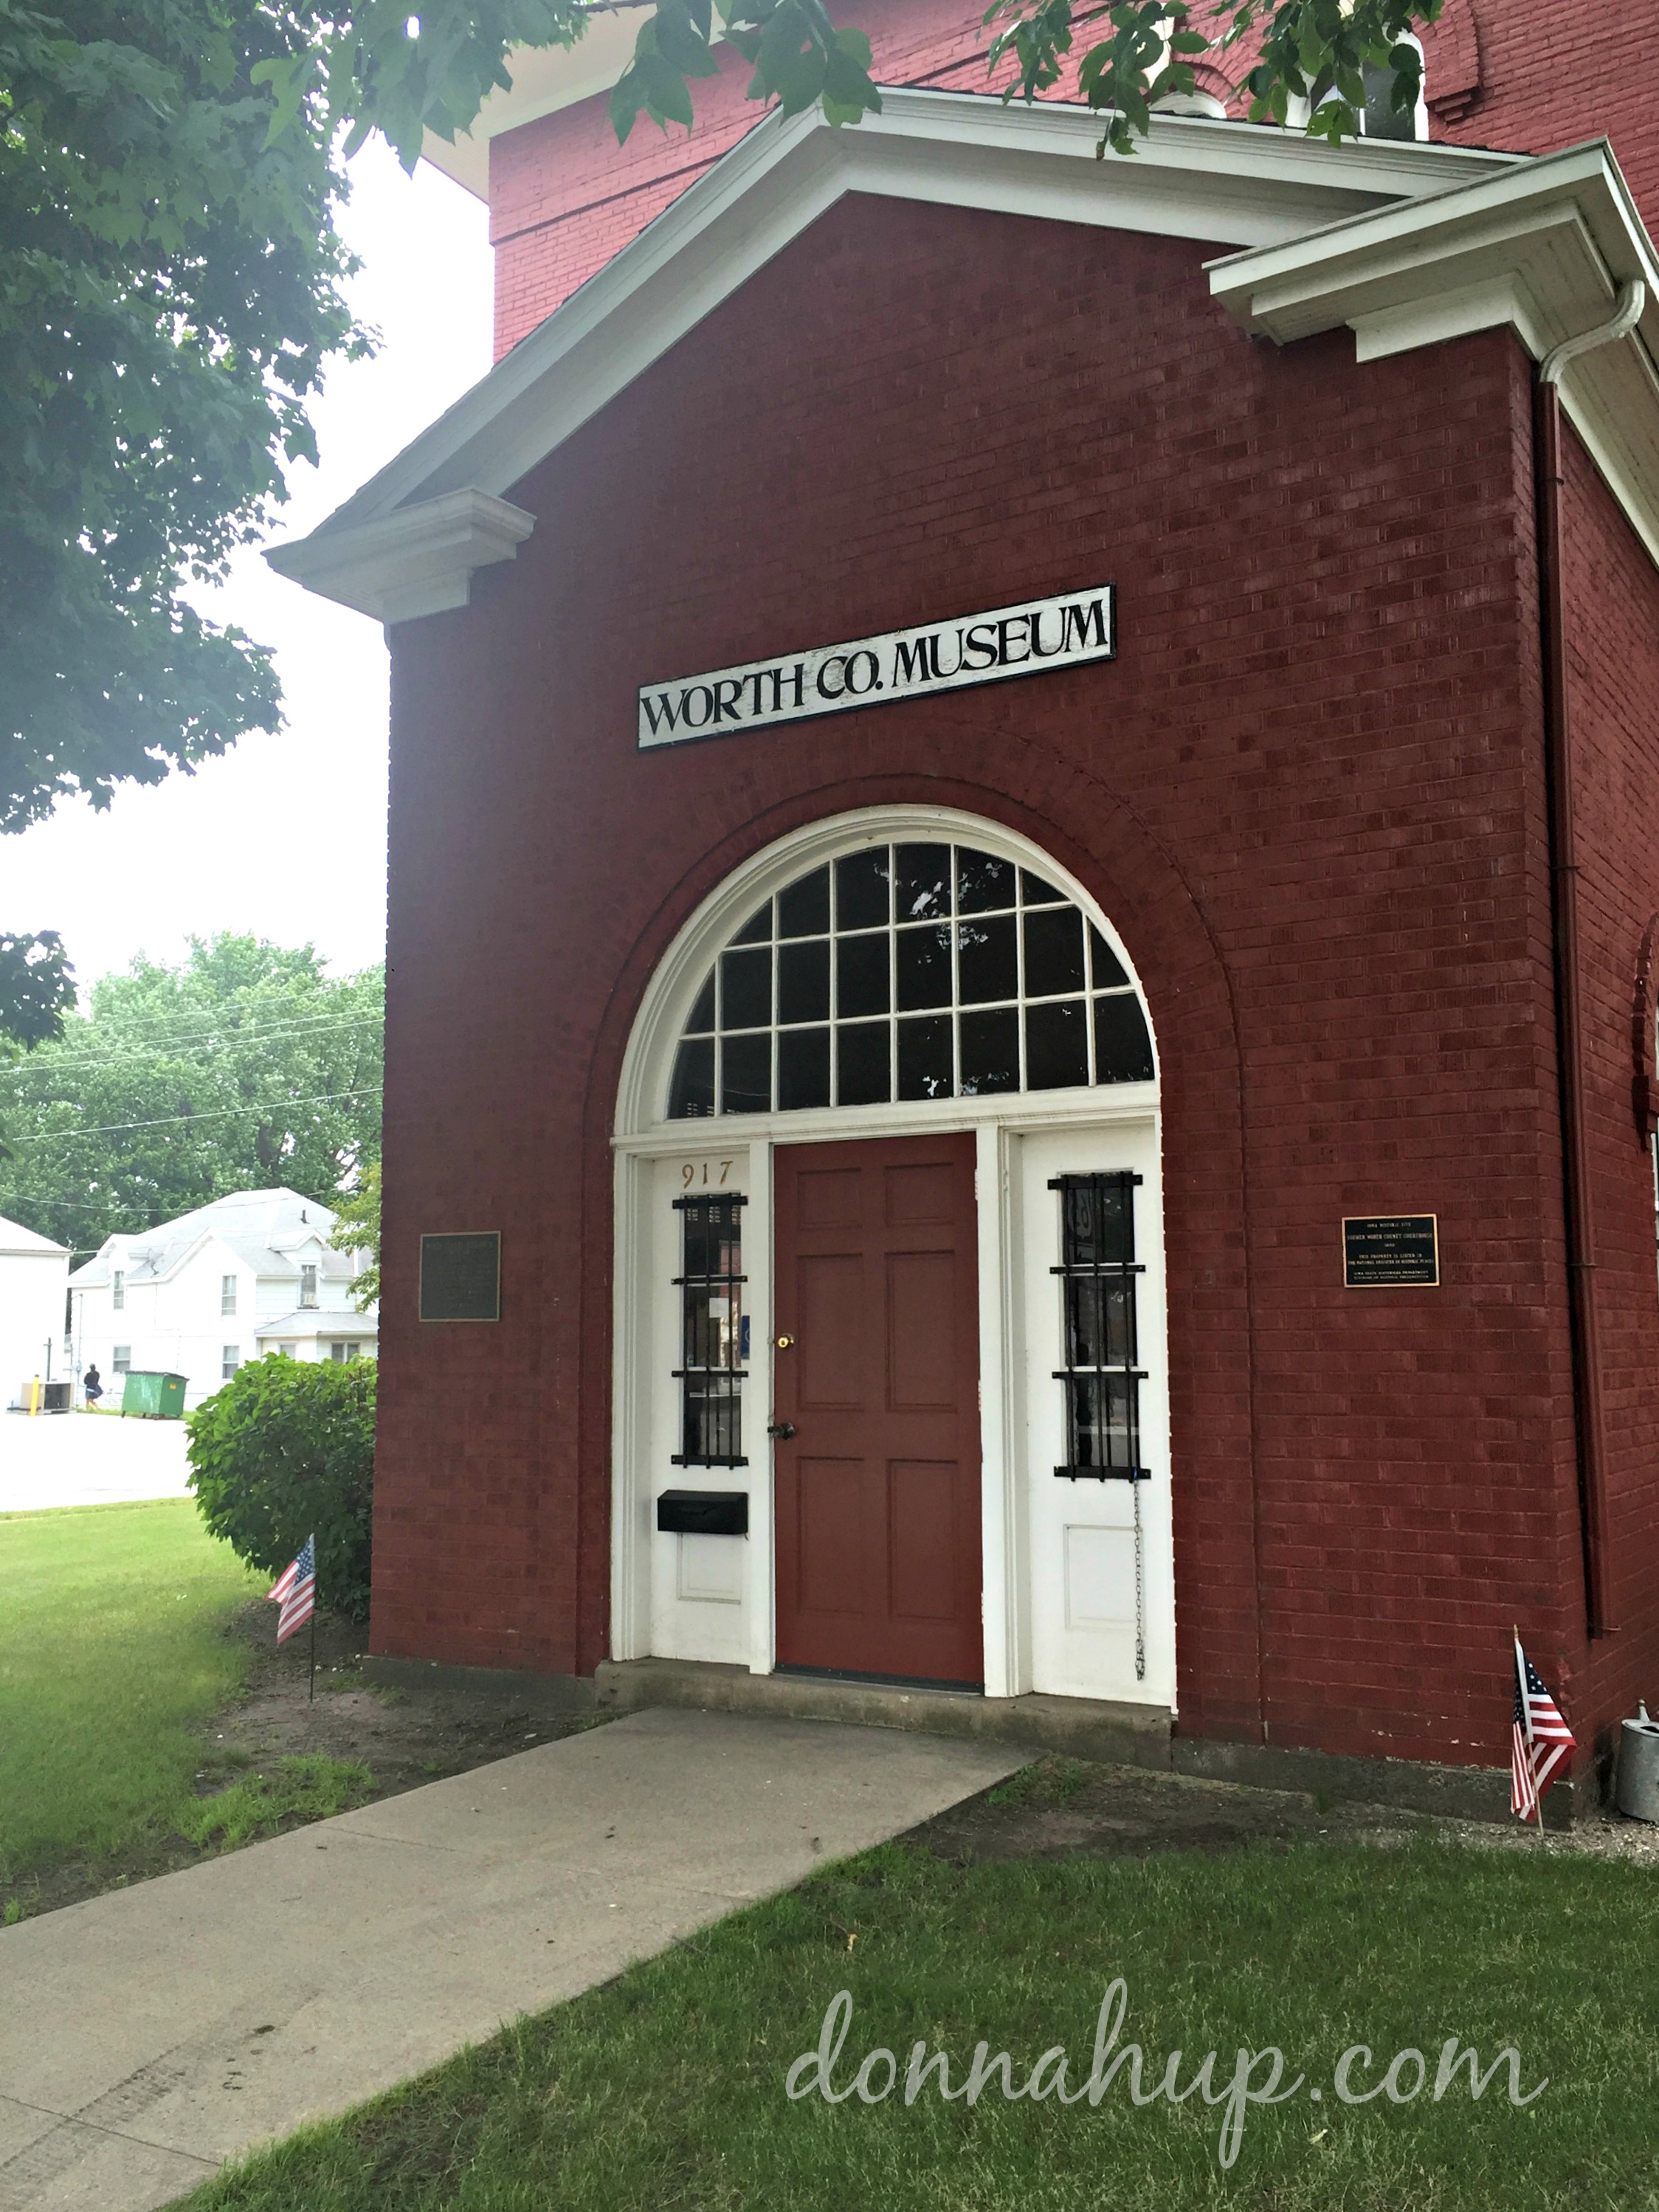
(1024, 885)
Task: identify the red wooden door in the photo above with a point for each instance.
(878, 1490)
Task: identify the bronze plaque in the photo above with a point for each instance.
(1390, 1251)
(461, 1276)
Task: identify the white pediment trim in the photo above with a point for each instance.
(1191, 178)
(416, 560)
(1543, 250)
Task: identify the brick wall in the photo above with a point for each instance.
(1612, 666)
(1549, 74)
(1531, 75)
(1309, 793)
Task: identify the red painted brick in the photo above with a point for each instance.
(1310, 793)
(1516, 74)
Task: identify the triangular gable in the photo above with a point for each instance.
(407, 544)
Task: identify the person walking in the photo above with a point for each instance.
(92, 1385)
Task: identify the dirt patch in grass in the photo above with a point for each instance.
(402, 1737)
(1058, 1807)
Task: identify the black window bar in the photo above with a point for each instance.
(1101, 1382)
(711, 1332)
(1098, 1271)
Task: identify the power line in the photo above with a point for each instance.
(217, 1113)
(215, 1038)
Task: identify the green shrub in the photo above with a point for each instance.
(284, 1451)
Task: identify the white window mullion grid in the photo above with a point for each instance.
(1088, 999)
(1019, 972)
(892, 975)
(951, 949)
(953, 1008)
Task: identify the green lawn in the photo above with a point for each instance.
(112, 1659)
(666, 2088)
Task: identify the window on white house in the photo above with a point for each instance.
(230, 1358)
(908, 971)
(341, 1352)
(117, 1290)
(308, 1286)
(227, 1294)
(121, 1359)
(288, 1351)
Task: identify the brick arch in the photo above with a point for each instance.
(1091, 832)
(1645, 1004)
(1210, 77)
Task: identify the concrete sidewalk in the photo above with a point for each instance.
(151, 2033)
(87, 1459)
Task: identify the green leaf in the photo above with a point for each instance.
(680, 43)
(847, 85)
(782, 39)
(800, 83)
(627, 97)
(667, 97)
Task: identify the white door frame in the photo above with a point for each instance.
(643, 1138)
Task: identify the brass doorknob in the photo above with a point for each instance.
(784, 1343)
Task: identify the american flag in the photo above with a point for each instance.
(1540, 1740)
(295, 1590)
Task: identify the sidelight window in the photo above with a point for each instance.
(908, 971)
(1097, 1274)
(712, 1330)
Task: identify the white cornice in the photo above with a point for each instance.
(1191, 178)
(416, 560)
(1541, 249)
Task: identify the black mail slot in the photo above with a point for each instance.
(703, 1512)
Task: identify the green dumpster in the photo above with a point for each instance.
(159, 1397)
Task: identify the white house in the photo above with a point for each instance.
(34, 1274)
(249, 1274)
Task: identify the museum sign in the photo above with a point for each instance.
(1025, 640)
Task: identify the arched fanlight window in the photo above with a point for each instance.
(1380, 118)
(908, 971)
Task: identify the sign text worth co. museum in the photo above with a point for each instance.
(1019, 641)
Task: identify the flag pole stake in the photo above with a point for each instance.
(310, 1693)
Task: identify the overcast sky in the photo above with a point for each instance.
(285, 835)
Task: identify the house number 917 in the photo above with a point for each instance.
(700, 1174)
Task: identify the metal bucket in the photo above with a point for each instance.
(1638, 1768)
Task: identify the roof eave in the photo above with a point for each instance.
(1542, 250)
(408, 543)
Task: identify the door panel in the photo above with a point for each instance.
(827, 1198)
(920, 1193)
(827, 1329)
(921, 1336)
(922, 1538)
(878, 1567)
(829, 1537)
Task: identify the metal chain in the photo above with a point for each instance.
(1141, 1593)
